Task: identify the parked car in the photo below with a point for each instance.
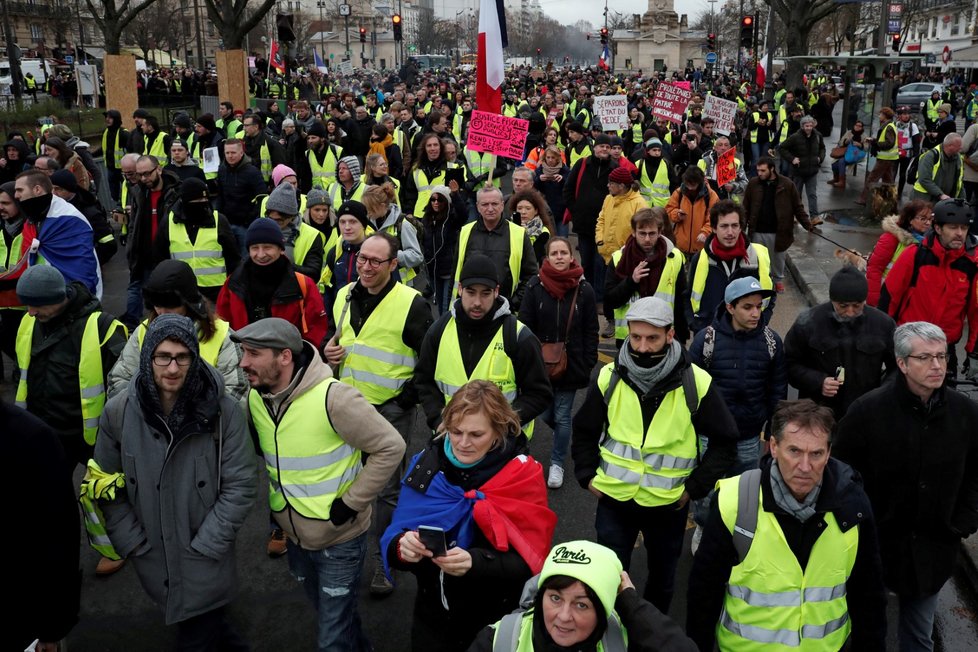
(914, 95)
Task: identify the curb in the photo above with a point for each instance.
(808, 274)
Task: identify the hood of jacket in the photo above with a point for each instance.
(391, 218)
(892, 226)
(500, 311)
(21, 148)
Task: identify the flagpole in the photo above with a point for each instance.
(268, 75)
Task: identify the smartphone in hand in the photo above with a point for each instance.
(433, 539)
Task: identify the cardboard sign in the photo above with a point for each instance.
(345, 67)
(727, 167)
(612, 112)
(723, 113)
(497, 134)
(670, 102)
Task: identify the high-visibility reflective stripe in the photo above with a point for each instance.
(759, 599)
(383, 356)
(643, 480)
(655, 460)
(211, 270)
(821, 631)
(93, 391)
(324, 488)
(376, 379)
(91, 422)
(310, 463)
(825, 593)
(760, 634)
(696, 296)
(200, 253)
(668, 297)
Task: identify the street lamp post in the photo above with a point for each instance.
(322, 36)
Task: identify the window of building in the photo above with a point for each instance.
(955, 25)
(658, 64)
(933, 27)
(37, 32)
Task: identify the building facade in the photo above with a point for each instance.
(660, 40)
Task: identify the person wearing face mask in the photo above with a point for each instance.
(66, 187)
(937, 280)
(11, 251)
(635, 444)
(304, 244)
(55, 232)
(200, 236)
(837, 351)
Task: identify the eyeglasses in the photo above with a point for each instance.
(164, 360)
(437, 198)
(927, 358)
(371, 262)
(927, 217)
(146, 174)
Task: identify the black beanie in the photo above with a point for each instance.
(356, 209)
(848, 285)
(192, 189)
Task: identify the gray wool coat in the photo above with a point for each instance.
(178, 516)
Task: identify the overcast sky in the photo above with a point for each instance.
(570, 11)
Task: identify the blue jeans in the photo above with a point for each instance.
(916, 628)
(563, 230)
(748, 457)
(810, 186)
(663, 529)
(443, 294)
(135, 306)
(757, 150)
(558, 417)
(593, 265)
(331, 578)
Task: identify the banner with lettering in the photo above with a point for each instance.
(670, 102)
(497, 134)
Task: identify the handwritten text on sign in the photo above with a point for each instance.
(497, 134)
(722, 111)
(727, 167)
(612, 112)
(670, 102)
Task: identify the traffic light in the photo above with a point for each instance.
(396, 20)
(747, 32)
(604, 36)
(896, 42)
(589, 36)
(711, 42)
(538, 52)
(363, 34)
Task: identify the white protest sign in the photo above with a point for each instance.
(212, 160)
(722, 111)
(346, 67)
(612, 112)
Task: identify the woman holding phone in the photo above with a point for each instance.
(475, 486)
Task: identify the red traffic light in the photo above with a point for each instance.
(711, 37)
(747, 21)
(604, 31)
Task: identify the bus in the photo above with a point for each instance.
(432, 61)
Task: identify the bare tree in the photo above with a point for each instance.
(799, 18)
(427, 36)
(112, 18)
(233, 20)
(162, 26)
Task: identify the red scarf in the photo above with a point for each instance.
(738, 251)
(511, 511)
(632, 254)
(558, 283)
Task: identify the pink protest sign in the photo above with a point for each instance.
(670, 102)
(684, 84)
(497, 134)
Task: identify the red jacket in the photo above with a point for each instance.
(296, 300)
(943, 293)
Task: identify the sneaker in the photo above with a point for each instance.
(379, 584)
(609, 330)
(277, 544)
(697, 538)
(106, 566)
(779, 287)
(555, 480)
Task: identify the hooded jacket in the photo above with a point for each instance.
(843, 496)
(534, 394)
(187, 494)
(615, 221)
(697, 220)
(114, 129)
(239, 186)
(893, 237)
(10, 171)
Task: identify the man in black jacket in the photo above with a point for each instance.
(584, 191)
(240, 182)
(837, 351)
(916, 443)
(804, 151)
(66, 187)
(635, 444)
(460, 346)
(789, 553)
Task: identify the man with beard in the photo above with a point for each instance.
(156, 143)
(635, 444)
(200, 236)
(936, 282)
(64, 235)
(726, 255)
(267, 285)
(176, 424)
(479, 338)
(648, 265)
(836, 351)
(317, 168)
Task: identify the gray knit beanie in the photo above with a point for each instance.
(283, 200)
(353, 163)
(41, 285)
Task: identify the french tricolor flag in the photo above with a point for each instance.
(492, 40)
(604, 58)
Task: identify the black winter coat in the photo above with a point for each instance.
(747, 367)
(920, 464)
(441, 238)
(553, 192)
(140, 251)
(239, 186)
(842, 494)
(817, 344)
(585, 201)
(547, 317)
